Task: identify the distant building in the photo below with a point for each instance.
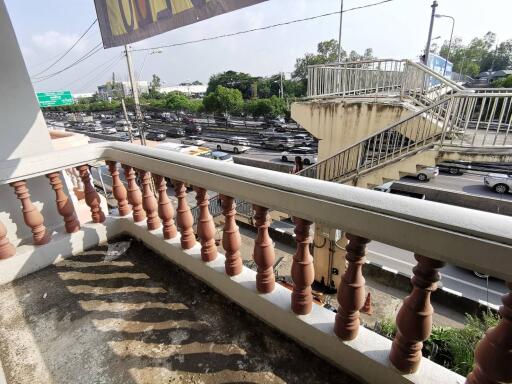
(189, 90)
(78, 96)
(117, 90)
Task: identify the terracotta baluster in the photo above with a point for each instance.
(149, 202)
(184, 217)
(64, 204)
(92, 198)
(263, 251)
(414, 319)
(31, 215)
(134, 194)
(351, 292)
(6, 248)
(119, 190)
(165, 208)
(303, 273)
(493, 354)
(231, 241)
(205, 227)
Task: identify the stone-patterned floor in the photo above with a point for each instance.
(101, 318)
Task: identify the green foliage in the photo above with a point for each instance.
(231, 79)
(327, 52)
(177, 102)
(452, 348)
(480, 55)
(224, 100)
(505, 82)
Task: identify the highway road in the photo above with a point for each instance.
(470, 183)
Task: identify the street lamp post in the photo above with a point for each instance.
(450, 43)
(339, 37)
(429, 39)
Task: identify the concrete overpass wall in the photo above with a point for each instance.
(339, 123)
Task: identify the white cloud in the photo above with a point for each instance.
(52, 41)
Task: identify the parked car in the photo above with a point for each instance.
(279, 142)
(427, 173)
(122, 125)
(193, 140)
(156, 136)
(498, 182)
(307, 155)
(109, 130)
(95, 128)
(235, 144)
(278, 123)
(222, 156)
(175, 132)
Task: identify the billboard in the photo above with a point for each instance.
(54, 99)
(437, 63)
(127, 21)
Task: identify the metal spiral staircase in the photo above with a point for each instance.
(447, 114)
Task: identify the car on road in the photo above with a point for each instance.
(454, 167)
(222, 156)
(95, 128)
(303, 140)
(122, 125)
(109, 130)
(498, 182)
(306, 154)
(272, 132)
(193, 129)
(235, 144)
(156, 136)
(279, 142)
(427, 173)
(193, 140)
(175, 132)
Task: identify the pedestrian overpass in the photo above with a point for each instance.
(380, 120)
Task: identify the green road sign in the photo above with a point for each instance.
(54, 99)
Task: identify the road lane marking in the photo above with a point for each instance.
(444, 275)
(452, 291)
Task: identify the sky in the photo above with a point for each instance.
(397, 29)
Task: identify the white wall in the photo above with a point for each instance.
(23, 132)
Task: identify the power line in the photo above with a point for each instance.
(95, 69)
(261, 28)
(90, 53)
(68, 50)
(107, 69)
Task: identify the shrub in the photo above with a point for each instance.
(452, 348)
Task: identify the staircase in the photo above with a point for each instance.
(448, 115)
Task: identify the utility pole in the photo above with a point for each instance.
(339, 37)
(135, 94)
(281, 88)
(429, 39)
(130, 134)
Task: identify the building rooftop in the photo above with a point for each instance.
(136, 318)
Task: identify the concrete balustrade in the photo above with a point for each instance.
(205, 227)
(92, 198)
(165, 208)
(435, 239)
(351, 293)
(231, 240)
(31, 215)
(64, 204)
(6, 248)
(263, 255)
(119, 190)
(184, 216)
(149, 203)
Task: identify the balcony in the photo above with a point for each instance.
(436, 233)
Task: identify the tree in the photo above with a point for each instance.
(155, 83)
(231, 79)
(177, 102)
(224, 101)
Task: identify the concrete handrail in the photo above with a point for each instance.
(471, 239)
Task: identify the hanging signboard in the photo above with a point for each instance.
(127, 21)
